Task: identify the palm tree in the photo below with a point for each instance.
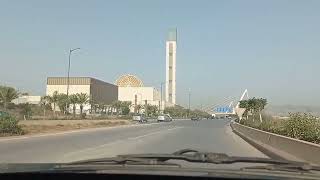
(7, 94)
(138, 108)
(116, 105)
(44, 103)
(74, 100)
(125, 107)
(63, 102)
(53, 99)
(83, 99)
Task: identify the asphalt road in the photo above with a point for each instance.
(167, 137)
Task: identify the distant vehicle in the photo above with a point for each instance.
(164, 118)
(139, 118)
(229, 117)
(195, 119)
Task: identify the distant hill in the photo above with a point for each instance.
(283, 110)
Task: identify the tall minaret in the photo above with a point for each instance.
(171, 57)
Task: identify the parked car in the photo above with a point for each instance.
(164, 118)
(139, 118)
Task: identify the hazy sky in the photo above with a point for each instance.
(272, 48)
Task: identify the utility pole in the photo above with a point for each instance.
(189, 102)
(160, 97)
(68, 79)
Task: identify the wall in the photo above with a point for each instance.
(103, 92)
(27, 99)
(279, 146)
(143, 93)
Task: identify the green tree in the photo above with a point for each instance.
(138, 108)
(74, 101)
(63, 102)
(7, 94)
(150, 109)
(117, 105)
(83, 99)
(254, 106)
(125, 107)
(26, 110)
(45, 104)
(53, 100)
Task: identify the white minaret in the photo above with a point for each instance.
(171, 57)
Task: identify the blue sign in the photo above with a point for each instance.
(224, 110)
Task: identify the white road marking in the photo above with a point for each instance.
(156, 132)
(117, 141)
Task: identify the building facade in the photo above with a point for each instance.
(171, 57)
(98, 91)
(131, 88)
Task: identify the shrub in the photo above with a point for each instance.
(9, 126)
(300, 126)
(303, 126)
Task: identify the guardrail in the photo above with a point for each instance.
(279, 146)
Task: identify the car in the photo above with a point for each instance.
(139, 118)
(164, 118)
(195, 119)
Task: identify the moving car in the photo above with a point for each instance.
(195, 119)
(164, 118)
(139, 118)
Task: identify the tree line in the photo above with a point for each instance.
(253, 106)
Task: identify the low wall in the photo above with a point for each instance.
(278, 145)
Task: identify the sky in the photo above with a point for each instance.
(270, 47)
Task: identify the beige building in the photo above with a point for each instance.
(131, 88)
(99, 91)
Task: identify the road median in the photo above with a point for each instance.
(32, 127)
(278, 146)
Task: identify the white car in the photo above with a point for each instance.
(139, 118)
(164, 118)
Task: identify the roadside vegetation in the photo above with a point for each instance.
(302, 126)
(181, 112)
(9, 126)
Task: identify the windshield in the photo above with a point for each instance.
(94, 79)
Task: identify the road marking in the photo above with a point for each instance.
(117, 141)
(156, 132)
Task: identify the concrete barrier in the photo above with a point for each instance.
(279, 146)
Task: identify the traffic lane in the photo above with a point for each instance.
(205, 135)
(52, 147)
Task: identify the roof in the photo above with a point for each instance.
(129, 80)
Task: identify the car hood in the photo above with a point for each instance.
(156, 170)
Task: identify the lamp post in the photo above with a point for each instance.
(189, 102)
(68, 79)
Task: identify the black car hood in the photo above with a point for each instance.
(156, 170)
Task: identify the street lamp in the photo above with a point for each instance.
(68, 79)
(189, 102)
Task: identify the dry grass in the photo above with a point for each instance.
(51, 126)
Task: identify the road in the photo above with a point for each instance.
(206, 135)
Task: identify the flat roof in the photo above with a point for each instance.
(73, 81)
